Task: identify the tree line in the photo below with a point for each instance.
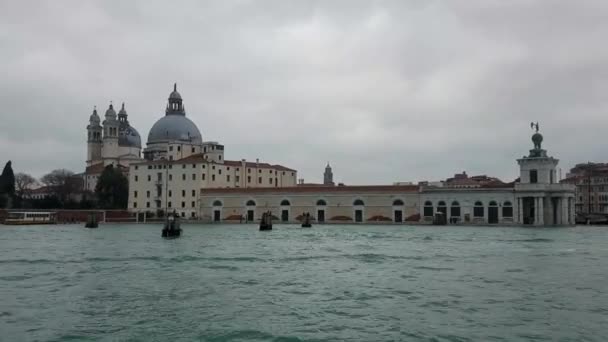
(62, 189)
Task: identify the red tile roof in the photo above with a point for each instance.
(199, 158)
(313, 189)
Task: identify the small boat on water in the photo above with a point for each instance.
(266, 222)
(306, 221)
(30, 217)
(172, 229)
(91, 221)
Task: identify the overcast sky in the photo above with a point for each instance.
(385, 91)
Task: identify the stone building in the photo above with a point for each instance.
(591, 181)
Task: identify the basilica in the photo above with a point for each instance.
(181, 172)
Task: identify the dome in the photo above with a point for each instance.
(111, 112)
(129, 138)
(174, 94)
(174, 127)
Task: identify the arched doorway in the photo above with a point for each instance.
(455, 212)
(285, 204)
(428, 209)
(250, 211)
(442, 208)
(217, 210)
(321, 205)
(358, 204)
(493, 212)
(398, 210)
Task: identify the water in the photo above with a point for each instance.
(332, 283)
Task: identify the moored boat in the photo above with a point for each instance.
(266, 222)
(172, 228)
(30, 217)
(306, 221)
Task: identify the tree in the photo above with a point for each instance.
(24, 182)
(61, 183)
(7, 185)
(112, 189)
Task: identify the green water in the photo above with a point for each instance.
(328, 283)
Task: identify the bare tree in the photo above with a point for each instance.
(61, 183)
(24, 182)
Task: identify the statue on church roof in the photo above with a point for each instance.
(537, 138)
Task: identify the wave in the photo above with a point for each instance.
(529, 240)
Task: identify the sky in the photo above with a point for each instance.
(385, 91)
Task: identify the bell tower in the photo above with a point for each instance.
(94, 137)
(109, 150)
(328, 176)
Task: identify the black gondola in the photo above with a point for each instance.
(172, 227)
(306, 221)
(266, 222)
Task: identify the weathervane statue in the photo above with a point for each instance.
(534, 125)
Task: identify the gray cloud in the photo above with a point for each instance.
(385, 91)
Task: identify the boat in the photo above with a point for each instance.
(91, 221)
(306, 221)
(172, 229)
(266, 222)
(30, 217)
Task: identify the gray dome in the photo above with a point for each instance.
(129, 138)
(94, 118)
(174, 127)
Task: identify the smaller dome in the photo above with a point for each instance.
(129, 137)
(122, 110)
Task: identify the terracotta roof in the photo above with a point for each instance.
(199, 158)
(313, 189)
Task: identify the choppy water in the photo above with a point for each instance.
(332, 283)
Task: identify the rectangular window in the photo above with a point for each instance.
(193, 176)
(184, 176)
(270, 181)
(135, 194)
(134, 204)
(213, 167)
(227, 178)
(183, 204)
(136, 178)
(149, 167)
(148, 194)
(213, 178)
(192, 204)
(248, 170)
(171, 158)
(237, 178)
(169, 204)
(183, 193)
(179, 148)
(170, 148)
(193, 193)
(219, 171)
(170, 177)
(194, 166)
(136, 167)
(203, 166)
(159, 176)
(193, 150)
(507, 211)
(147, 204)
(203, 176)
(533, 176)
(260, 180)
(149, 178)
(248, 179)
(170, 193)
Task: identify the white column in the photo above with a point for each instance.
(520, 210)
(564, 209)
(541, 211)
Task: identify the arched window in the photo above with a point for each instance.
(397, 202)
(285, 202)
(428, 209)
(493, 203)
(455, 209)
(507, 209)
(321, 202)
(478, 210)
(251, 203)
(217, 203)
(358, 202)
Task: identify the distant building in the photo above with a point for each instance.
(591, 181)
(328, 176)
